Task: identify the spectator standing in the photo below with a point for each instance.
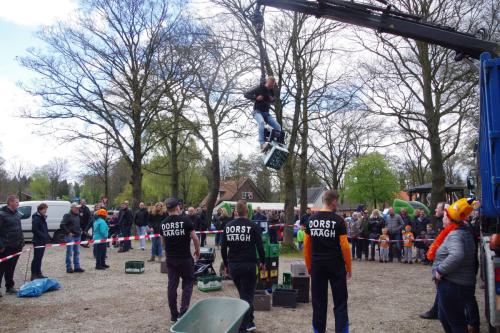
(356, 246)
(376, 224)
(203, 220)
(242, 237)
(156, 216)
(395, 224)
(439, 215)
(384, 244)
(454, 268)
(217, 225)
(420, 222)
(365, 233)
(405, 217)
(259, 219)
(305, 218)
(104, 202)
(125, 221)
(40, 238)
(300, 237)
(177, 232)
(141, 223)
(85, 220)
(273, 220)
(101, 231)
(71, 226)
(11, 242)
(196, 221)
(408, 239)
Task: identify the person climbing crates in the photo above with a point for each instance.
(272, 142)
(263, 96)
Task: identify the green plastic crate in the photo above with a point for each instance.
(265, 239)
(273, 251)
(134, 267)
(209, 283)
(287, 278)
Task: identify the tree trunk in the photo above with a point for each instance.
(215, 170)
(438, 193)
(304, 160)
(290, 190)
(174, 166)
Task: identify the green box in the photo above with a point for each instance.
(209, 283)
(287, 278)
(134, 267)
(273, 251)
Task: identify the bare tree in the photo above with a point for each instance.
(218, 66)
(339, 139)
(103, 71)
(56, 171)
(422, 87)
(100, 163)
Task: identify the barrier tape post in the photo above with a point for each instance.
(27, 264)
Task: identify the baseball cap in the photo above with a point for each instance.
(171, 203)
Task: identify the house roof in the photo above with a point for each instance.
(426, 188)
(229, 188)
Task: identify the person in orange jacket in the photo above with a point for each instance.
(408, 239)
(328, 259)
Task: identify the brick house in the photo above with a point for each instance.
(233, 190)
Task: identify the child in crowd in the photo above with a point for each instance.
(100, 231)
(384, 245)
(300, 237)
(408, 240)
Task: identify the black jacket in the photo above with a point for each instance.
(376, 225)
(154, 221)
(71, 224)
(11, 231)
(125, 218)
(141, 217)
(304, 219)
(265, 104)
(197, 222)
(85, 217)
(419, 225)
(40, 229)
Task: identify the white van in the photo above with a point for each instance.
(55, 214)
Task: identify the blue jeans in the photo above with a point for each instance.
(156, 248)
(452, 301)
(262, 119)
(72, 251)
(141, 231)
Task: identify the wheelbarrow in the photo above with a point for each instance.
(216, 314)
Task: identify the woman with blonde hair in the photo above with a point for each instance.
(155, 217)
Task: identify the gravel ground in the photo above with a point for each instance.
(382, 298)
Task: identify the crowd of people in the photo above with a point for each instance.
(449, 243)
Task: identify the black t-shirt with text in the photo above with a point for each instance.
(325, 229)
(176, 230)
(242, 236)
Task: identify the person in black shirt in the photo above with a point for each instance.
(141, 217)
(263, 95)
(328, 260)
(177, 232)
(40, 238)
(125, 220)
(85, 220)
(305, 218)
(242, 237)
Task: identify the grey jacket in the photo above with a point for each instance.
(356, 228)
(455, 258)
(395, 223)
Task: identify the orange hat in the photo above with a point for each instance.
(102, 212)
(461, 209)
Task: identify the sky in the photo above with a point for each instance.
(20, 141)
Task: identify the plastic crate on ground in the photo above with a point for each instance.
(302, 285)
(134, 267)
(209, 283)
(286, 298)
(262, 300)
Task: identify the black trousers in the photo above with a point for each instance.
(364, 247)
(8, 267)
(100, 254)
(203, 239)
(273, 236)
(321, 275)
(36, 264)
(180, 269)
(245, 279)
